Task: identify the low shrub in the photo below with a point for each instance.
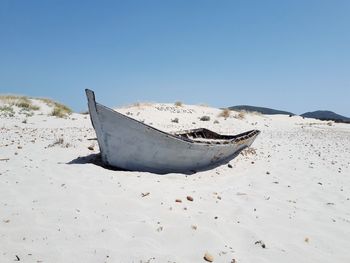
(176, 120)
(204, 118)
(6, 111)
(225, 113)
(240, 115)
(25, 103)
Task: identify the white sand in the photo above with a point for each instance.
(292, 195)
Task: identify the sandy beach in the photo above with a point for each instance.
(285, 199)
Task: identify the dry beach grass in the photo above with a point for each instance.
(29, 105)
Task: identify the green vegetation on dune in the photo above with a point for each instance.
(6, 111)
(19, 101)
(59, 110)
(261, 110)
(27, 107)
(326, 116)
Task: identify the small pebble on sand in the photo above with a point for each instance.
(190, 198)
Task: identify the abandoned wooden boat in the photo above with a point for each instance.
(132, 145)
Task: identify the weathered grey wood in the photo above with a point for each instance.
(129, 144)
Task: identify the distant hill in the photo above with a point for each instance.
(326, 116)
(260, 109)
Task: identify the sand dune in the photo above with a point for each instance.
(284, 200)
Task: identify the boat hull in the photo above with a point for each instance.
(129, 144)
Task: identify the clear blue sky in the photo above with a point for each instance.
(291, 55)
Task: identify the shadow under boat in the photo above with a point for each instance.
(96, 159)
